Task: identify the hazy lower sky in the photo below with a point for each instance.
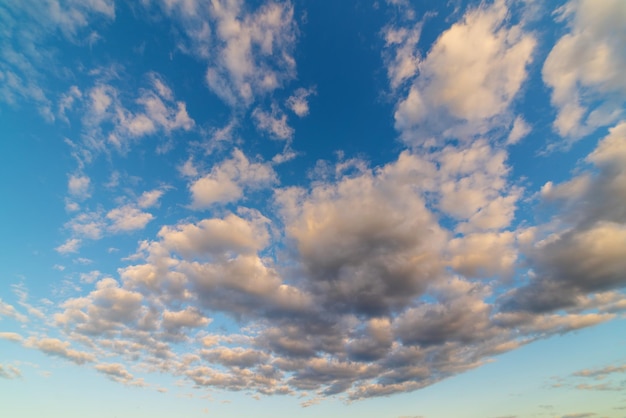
(382, 209)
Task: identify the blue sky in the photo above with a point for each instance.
(374, 208)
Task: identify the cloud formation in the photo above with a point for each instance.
(58, 348)
(459, 83)
(248, 51)
(587, 253)
(226, 181)
(9, 372)
(362, 279)
(584, 67)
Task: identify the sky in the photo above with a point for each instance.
(390, 209)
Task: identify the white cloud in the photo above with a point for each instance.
(173, 321)
(149, 199)
(11, 336)
(78, 186)
(274, 123)
(128, 218)
(585, 67)
(471, 186)
(56, 347)
(87, 225)
(115, 372)
(215, 237)
(581, 252)
(210, 190)
(238, 357)
(216, 264)
(226, 181)
(111, 119)
(188, 169)
(402, 56)
(118, 373)
(483, 255)
(249, 50)
(299, 103)
(10, 311)
(519, 130)
(103, 310)
(90, 277)
(364, 282)
(70, 246)
(253, 50)
(25, 57)
(66, 102)
(458, 81)
(373, 295)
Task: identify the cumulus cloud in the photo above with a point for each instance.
(586, 255)
(356, 286)
(367, 281)
(363, 260)
(219, 264)
(458, 83)
(485, 254)
(107, 308)
(150, 198)
(227, 180)
(584, 69)
(128, 218)
(254, 50)
(217, 237)
(187, 318)
(474, 187)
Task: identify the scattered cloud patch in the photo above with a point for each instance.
(274, 123)
(227, 180)
(58, 348)
(298, 103)
(128, 218)
(78, 186)
(458, 83)
(584, 67)
(70, 246)
(118, 373)
(9, 372)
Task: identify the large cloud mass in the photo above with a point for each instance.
(356, 279)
